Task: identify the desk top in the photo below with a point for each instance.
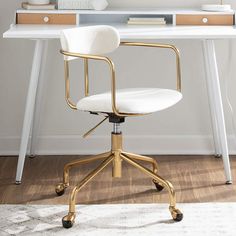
(129, 32)
(136, 11)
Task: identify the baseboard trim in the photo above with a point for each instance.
(144, 144)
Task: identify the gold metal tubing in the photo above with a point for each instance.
(112, 70)
(143, 158)
(85, 160)
(113, 88)
(91, 130)
(117, 165)
(113, 81)
(158, 45)
(156, 177)
(67, 86)
(116, 148)
(88, 178)
(86, 78)
(113, 92)
(116, 142)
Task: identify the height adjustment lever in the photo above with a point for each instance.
(91, 130)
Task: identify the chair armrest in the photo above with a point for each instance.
(94, 57)
(112, 71)
(166, 46)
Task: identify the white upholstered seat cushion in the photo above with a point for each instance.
(135, 100)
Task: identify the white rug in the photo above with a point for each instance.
(200, 219)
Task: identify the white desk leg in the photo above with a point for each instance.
(216, 138)
(214, 83)
(29, 110)
(39, 95)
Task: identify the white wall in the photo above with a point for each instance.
(185, 128)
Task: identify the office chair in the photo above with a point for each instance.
(92, 43)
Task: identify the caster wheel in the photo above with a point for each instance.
(32, 156)
(67, 224)
(68, 221)
(218, 156)
(158, 186)
(177, 215)
(60, 189)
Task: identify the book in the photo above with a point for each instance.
(146, 20)
(146, 23)
(74, 4)
(82, 4)
(27, 6)
(155, 19)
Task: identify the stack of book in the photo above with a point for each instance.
(146, 21)
(74, 4)
(50, 6)
(82, 4)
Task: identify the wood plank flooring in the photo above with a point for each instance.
(195, 178)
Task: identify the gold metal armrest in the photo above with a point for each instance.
(167, 46)
(94, 57)
(112, 71)
(67, 86)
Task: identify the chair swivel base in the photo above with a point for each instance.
(115, 157)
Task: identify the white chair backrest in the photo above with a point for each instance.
(95, 40)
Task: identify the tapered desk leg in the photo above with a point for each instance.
(214, 84)
(37, 110)
(29, 109)
(214, 123)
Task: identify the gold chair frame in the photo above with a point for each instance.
(116, 155)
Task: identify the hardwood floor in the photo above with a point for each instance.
(195, 178)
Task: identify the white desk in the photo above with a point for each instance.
(207, 34)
